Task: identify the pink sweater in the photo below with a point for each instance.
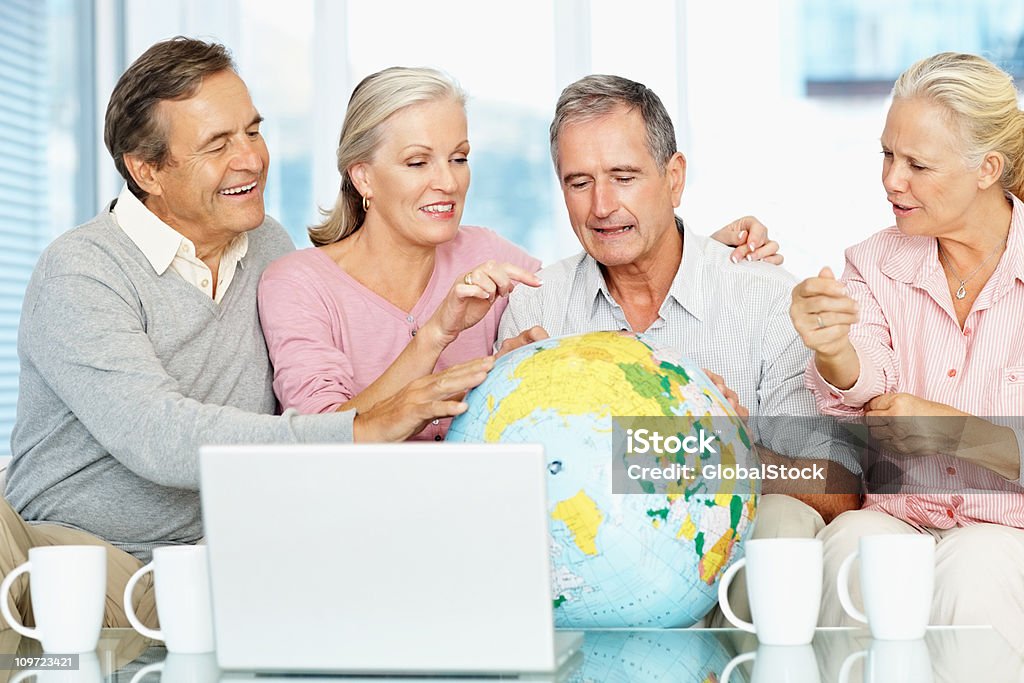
(329, 337)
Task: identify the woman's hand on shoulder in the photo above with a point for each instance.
(750, 237)
(472, 295)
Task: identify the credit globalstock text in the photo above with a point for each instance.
(702, 444)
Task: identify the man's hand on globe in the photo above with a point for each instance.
(534, 334)
(729, 394)
(439, 395)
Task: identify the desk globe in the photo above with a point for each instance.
(619, 559)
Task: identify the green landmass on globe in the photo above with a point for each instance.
(620, 559)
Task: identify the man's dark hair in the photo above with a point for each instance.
(170, 70)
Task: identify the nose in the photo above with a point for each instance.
(605, 201)
(248, 155)
(444, 179)
(894, 177)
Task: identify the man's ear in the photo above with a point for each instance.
(360, 175)
(675, 169)
(991, 170)
(144, 173)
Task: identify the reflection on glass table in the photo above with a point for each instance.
(846, 655)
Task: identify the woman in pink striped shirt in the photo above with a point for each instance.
(923, 334)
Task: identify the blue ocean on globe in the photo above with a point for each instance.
(650, 558)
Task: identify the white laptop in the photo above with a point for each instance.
(381, 559)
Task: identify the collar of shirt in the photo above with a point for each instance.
(916, 260)
(159, 242)
(685, 285)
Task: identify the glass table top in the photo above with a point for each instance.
(945, 655)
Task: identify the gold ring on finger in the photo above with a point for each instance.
(468, 279)
(821, 324)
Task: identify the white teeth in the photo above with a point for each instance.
(238, 190)
(439, 208)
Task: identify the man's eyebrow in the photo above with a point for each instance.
(626, 169)
(213, 137)
(569, 177)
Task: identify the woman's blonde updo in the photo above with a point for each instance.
(374, 100)
(981, 99)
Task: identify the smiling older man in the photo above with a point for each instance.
(140, 338)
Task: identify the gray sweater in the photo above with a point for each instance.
(125, 373)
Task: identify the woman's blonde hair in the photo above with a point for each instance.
(375, 99)
(981, 99)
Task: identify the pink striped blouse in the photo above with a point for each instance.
(909, 340)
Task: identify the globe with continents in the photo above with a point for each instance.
(650, 558)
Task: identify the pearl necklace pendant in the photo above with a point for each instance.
(961, 293)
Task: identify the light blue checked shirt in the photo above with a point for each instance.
(732, 319)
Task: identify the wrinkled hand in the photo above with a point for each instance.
(822, 313)
(730, 395)
(750, 237)
(910, 425)
(472, 295)
(535, 333)
(428, 398)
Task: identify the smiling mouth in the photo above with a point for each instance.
(241, 189)
(439, 208)
(617, 230)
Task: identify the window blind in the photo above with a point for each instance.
(23, 179)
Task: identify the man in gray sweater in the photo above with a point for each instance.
(140, 337)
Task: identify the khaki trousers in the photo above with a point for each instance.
(16, 537)
(979, 572)
(778, 516)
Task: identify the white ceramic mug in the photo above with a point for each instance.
(897, 572)
(182, 582)
(176, 668)
(892, 661)
(774, 663)
(784, 589)
(88, 671)
(68, 586)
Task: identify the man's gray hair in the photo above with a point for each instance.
(594, 96)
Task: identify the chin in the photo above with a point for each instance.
(913, 228)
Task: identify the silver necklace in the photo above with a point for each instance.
(962, 291)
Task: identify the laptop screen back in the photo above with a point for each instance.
(379, 558)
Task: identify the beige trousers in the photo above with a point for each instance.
(778, 516)
(979, 572)
(16, 537)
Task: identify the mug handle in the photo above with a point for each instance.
(731, 666)
(129, 610)
(723, 597)
(5, 589)
(847, 667)
(843, 588)
(151, 668)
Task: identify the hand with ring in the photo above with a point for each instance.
(822, 313)
(472, 296)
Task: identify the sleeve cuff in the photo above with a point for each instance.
(862, 391)
(323, 428)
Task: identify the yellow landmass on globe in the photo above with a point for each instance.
(581, 515)
(687, 529)
(713, 561)
(601, 354)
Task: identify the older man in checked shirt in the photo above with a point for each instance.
(642, 270)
